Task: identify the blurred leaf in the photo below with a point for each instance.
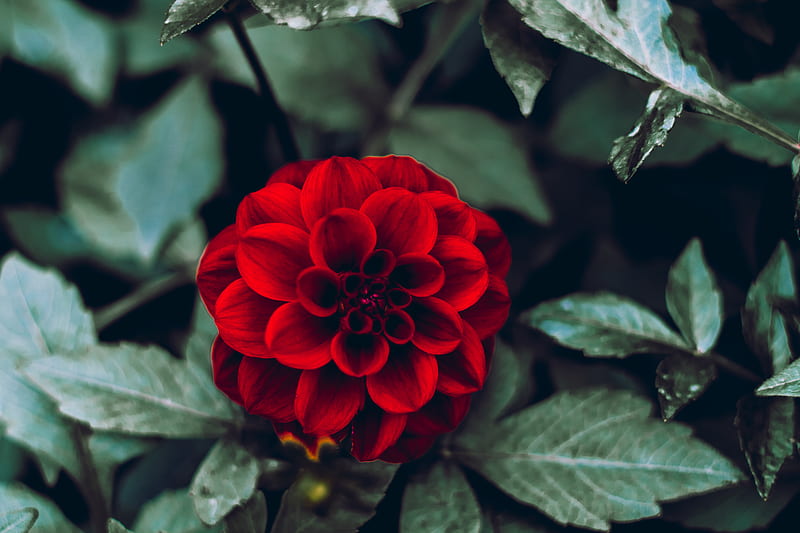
(522, 57)
(41, 314)
(796, 193)
(680, 380)
(226, 478)
(19, 521)
(116, 527)
(313, 74)
(628, 153)
(171, 512)
(186, 246)
(693, 299)
(306, 15)
(479, 153)
(584, 457)
(183, 15)
(784, 383)
(48, 237)
(143, 53)
(66, 39)
(109, 450)
(16, 496)
(250, 518)
(126, 188)
(135, 389)
(440, 499)
(202, 335)
(766, 436)
(358, 489)
(763, 324)
(604, 325)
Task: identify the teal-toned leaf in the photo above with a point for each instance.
(591, 457)
(796, 193)
(183, 15)
(763, 325)
(186, 246)
(479, 153)
(109, 450)
(19, 521)
(142, 52)
(127, 188)
(628, 153)
(66, 39)
(603, 325)
(440, 499)
(226, 478)
(505, 521)
(680, 380)
(693, 298)
(307, 15)
(250, 518)
(115, 527)
(201, 336)
(134, 389)
(766, 436)
(16, 496)
(172, 512)
(521, 56)
(48, 237)
(784, 383)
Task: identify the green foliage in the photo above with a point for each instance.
(183, 15)
(15, 497)
(171, 511)
(784, 383)
(681, 379)
(20, 521)
(304, 16)
(250, 518)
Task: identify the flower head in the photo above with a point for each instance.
(356, 299)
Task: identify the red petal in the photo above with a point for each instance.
(466, 273)
(464, 370)
(359, 355)
(342, 240)
(225, 369)
(270, 257)
(405, 383)
(327, 400)
(404, 222)
(441, 415)
(398, 327)
(299, 339)
(491, 240)
(399, 171)
(489, 314)
(378, 263)
(438, 326)
(333, 183)
(217, 267)
(455, 217)
(292, 432)
(407, 448)
(278, 202)
(419, 274)
(293, 173)
(242, 317)
(268, 388)
(318, 290)
(439, 183)
(375, 430)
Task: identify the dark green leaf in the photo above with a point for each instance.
(603, 325)
(116, 527)
(693, 299)
(250, 518)
(109, 450)
(784, 383)
(172, 512)
(766, 432)
(681, 379)
(16, 496)
(19, 521)
(48, 237)
(306, 15)
(135, 389)
(183, 15)
(226, 478)
(628, 153)
(592, 457)
(522, 57)
(480, 154)
(440, 499)
(796, 193)
(763, 325)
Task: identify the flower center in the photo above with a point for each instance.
(368, 303)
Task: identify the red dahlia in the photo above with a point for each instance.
(356, 299)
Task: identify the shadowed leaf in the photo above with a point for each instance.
(307, 15)
(681, 379)
(250, 518)
(16, 496)
(115, 527)
(440, 499)
(183, 15)
(172, 512)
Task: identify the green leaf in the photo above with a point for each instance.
(127, 188)
(226, 478)
(603, 325)
(763, 325)
(135, 389)
(250, 518)
(202, 335)
(784, 383)
(66, 39)
(183, 15)
(171, 511)
(305, 16)
(16, 496)
(681, 379)
(663, 107)
(142, 52)
(693, 299)
(19, 521)
(592, 457)
(440, 499)
(46, 236)
(796, 193)
(109, 450)
(479, 153)
(115, 527)
(766, 436)
(522, 57)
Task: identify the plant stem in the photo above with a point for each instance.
(279, 119)
(99, 511)
(734, 368)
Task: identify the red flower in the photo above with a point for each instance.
(356, 299)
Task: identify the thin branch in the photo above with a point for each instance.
(99, 510)
(734, 368)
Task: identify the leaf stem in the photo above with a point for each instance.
(734, 368)
(279, 119)
(99, 511)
